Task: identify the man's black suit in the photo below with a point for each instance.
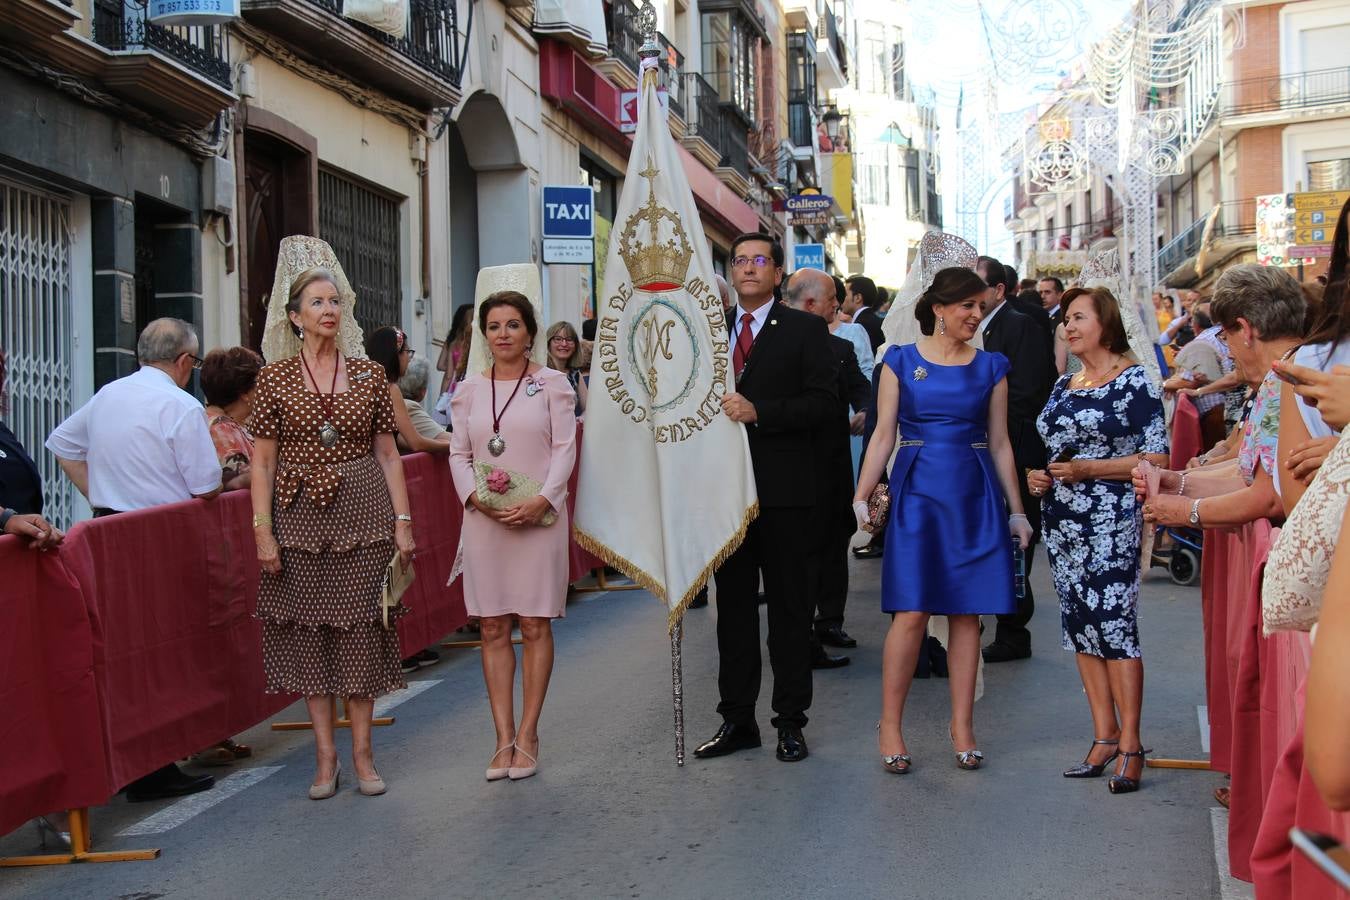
(1030, 379)
(871, 322)
(835, 517)
(1056, 319)
(790, 378)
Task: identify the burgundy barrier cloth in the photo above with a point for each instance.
(1187, 439)
(52, 750)
(135, 643)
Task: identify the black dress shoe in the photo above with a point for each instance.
(836, 636)
(823, 660)
(167, 782)
(791, 744)
(729, 738)
(870, 551)
(998, 652)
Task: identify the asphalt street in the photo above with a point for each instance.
(610, 815)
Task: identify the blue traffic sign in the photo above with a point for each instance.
(569, 211)
(808, 256)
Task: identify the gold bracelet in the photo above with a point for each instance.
(262, 519)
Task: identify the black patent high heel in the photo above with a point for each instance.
(1120, 783)
(1086, 769)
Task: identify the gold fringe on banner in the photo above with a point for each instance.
(635, 572)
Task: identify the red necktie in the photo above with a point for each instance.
(744, 341)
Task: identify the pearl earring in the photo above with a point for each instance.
(942, 325)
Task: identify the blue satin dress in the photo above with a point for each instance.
(948, 549)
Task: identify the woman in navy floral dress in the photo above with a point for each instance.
(1097, 425)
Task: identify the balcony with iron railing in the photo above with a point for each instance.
(1299, 91)
(625, 35)
(1236, 219)
(735, 140)
(423, 68)
(801, 121)
(120, 25)
(703, 118)
(671, 74)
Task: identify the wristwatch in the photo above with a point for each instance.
(1195, 514)
(5, 515)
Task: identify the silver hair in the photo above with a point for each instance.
(164, 340)
(413, 384)
(1266, 296)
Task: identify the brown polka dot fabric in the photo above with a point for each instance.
(333, 519)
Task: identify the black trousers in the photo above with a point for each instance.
(831, 587)
(777, 545)
(1012, 629)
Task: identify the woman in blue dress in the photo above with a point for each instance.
(948, 550)
(1097, 425)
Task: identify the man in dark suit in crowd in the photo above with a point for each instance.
(786, 395)
(1027, 345)
(812, 291)
(1026, 304)
(861, 299)
(1051, 289)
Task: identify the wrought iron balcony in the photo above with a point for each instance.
(672, 74)
(1303, 90)
(422, 68)
(705, 118)
(1237, 218)
(801, 122)
(625, 37)
(735, 140)
(122, 25)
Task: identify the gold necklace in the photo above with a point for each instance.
(1084, 381)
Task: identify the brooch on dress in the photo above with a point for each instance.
(920, 373)
(532, 387)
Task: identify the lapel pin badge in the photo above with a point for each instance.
(920, 373)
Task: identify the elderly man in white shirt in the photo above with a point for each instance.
(143, 441)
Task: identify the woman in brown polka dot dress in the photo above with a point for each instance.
(330, 506)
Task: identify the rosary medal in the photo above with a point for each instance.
(496, 446)
(328, 435)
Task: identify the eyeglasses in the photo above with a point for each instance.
(408, 350)
(196, 360)
(760, 261)
(561, 339)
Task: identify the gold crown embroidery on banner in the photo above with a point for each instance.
(658, 265)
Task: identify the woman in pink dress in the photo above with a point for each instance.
(512, 449)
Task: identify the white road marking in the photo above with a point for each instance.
(1203, 713)
(386, 704)
(171, 817)
(1230, 888)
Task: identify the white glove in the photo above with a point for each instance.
(860, 513)
(1020, 527)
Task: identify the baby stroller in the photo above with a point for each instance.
(1183, 559)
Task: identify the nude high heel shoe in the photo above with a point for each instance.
(497, 774)
(328, 788)
(516, 773)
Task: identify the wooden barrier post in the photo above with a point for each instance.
(339, 722)
(602, 584)
(79, 848)
(1201, 765)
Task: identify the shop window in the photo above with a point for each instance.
(362, 225)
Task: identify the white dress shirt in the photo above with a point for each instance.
(146, 442)
(984, 323)
(757, 320)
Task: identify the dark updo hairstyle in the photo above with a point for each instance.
(229, 374)
(949, 286)
(1107, 309)
(383, 346)
(517, 301)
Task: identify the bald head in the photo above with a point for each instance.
(811, 290)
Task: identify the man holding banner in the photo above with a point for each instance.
(786, 395)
